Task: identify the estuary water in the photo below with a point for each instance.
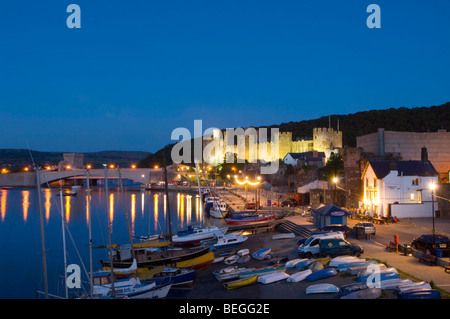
(21, 272)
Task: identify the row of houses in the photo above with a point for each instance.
(382, 176)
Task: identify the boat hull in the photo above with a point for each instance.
(420, 294)
(299, 276)
(249, 220)
(321, 289)
(241, 283)
(321, 274)
(369, 293)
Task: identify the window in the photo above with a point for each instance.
(374, 182)
(415, 181)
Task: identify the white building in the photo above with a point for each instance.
(305, 158)
(399, 188)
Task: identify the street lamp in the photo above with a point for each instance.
(432, 188)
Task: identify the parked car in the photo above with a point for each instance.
(338, 247)
(289, 203)
(338, 227)
(310, 247)
(425, 243)
(369, 228)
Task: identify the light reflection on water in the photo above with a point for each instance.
(20, 265)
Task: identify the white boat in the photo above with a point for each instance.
(293, 262)
(335, 262)
(231, 260)
(380, 271)
(393, 283)
(218, 210)
(315, 266)
(243, 259)
(299, 276)
(414, 285)
(230, 272)
(369, 293)
(195, 234)
(126, 288)
(321, 289)
(224, 241)
(243, 252)
(273, 277)
(262, 253)
(283, 236)
(218, 259)
(356, 270)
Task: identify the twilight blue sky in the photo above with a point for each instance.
(136, 70)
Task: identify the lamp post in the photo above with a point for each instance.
(335, 181)
(433, 187)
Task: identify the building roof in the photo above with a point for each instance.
(404, 168)
(331, 209)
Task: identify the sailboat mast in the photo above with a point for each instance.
(166, 189)
(90, 233)
(41, 219)
(63, 220)
(109, 232)
(199, 193)
(126, 212)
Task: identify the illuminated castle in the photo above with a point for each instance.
(324, 140)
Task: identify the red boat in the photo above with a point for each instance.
(242, 220)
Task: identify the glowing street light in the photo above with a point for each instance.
(433, 186)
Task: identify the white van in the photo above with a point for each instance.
(310, 247)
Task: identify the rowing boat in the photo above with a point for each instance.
(299, 276)
(369, 293)
(321, 274)
(273, 277)
(321, 289)
(414, 285)
(240, 282)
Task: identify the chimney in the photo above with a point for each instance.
(424, 155)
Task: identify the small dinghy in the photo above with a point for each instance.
(243, 252)
(348, 289)
(356, 270)
(420, 294)
(321, 289)
(273, 277)
(292, 263)
(283, 236)
(299, 276)
(321, 274)
(231, 260)
(381, 276)
(262, 253)
(241, 282)
(303, 263)
(414, 285)
(335, 262)
(230, 273)
(243, 259)
(315, 266)
(262, 271)
(380, 271)
(345, 266)
(369, 293)
(393, 283)
(218, 259)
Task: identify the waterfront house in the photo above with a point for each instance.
(305, 158)
(398, 188)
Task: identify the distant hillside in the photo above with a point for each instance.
(417, 119)
(16, 158)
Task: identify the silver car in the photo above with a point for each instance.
(369, 228)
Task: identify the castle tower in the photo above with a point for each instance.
(326, 138)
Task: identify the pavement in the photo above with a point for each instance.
(409, 229)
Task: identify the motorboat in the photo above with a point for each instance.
(227, 241)
(218, 210)
(195, 234)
